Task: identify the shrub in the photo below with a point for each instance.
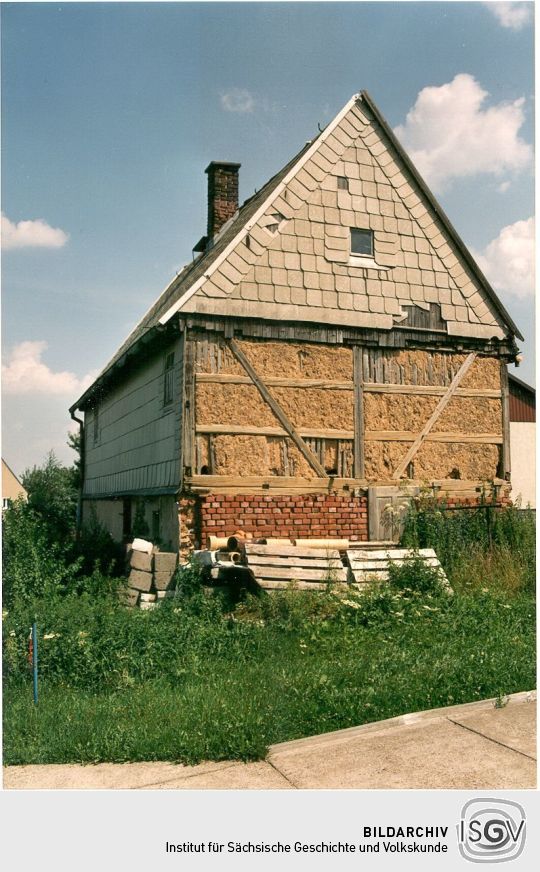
(97, 550)
(496, 543)
(33, 566)
(415, 576)
(52, 495)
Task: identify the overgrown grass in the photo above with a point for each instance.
(200, 677)
(167, 685)
(477, 546)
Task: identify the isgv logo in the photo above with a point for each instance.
(491, 830)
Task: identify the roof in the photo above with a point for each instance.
(193, 275)
(189, 275)
(523, 386)
(437, 208)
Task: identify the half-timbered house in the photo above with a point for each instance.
(332, 347)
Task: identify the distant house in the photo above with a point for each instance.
(12, 489)
(522, 407)
(332, 342)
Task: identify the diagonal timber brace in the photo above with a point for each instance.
(441, 405)
(277, 410)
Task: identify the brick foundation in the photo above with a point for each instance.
(302, 516)
(299, 516)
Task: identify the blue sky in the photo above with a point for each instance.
(111, 112)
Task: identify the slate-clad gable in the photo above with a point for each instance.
(304, 272)
(285, 255)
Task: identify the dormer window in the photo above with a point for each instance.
(361, 242)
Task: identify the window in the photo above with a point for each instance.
(168, 385)
(342, 183)
(361, 242)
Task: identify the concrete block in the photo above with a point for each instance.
(140, 560)
(163, 579)
(140, 580)
(129, 597)
(165, 561)
(142, 545)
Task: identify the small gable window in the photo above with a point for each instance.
(168, 384)
(342, 183)
(361, 242)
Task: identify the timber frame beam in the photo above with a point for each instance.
(283, 419)
(440, 407)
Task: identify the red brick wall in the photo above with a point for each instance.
(302, 516)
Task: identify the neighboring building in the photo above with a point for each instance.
(332, 340)
(523, 441)
(12, 489)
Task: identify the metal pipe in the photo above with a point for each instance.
(80, 422)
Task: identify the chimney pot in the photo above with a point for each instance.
(222, 194)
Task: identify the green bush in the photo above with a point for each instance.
(52, 496)
(499, 542)
(33, 566)
(414, 575)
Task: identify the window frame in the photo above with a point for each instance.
(368, 234)
(168, 379)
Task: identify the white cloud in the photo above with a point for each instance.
(25, 373)
(508, 260)
(503, 187)
(448, 134)
(237, 100)
(31, 234)
(513, 15)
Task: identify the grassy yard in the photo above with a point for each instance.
(200, 678)
(173, 685)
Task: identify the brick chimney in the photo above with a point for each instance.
(222, 194)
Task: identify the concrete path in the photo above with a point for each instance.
(472, 746)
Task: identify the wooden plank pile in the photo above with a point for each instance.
(274, 567)
(368, 565)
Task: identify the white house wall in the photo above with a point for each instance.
(523, 460)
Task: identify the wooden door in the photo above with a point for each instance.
(387, 507)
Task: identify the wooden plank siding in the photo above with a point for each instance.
(138, 438)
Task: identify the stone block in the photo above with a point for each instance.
(140, 560)
(162, 580)
(129, 596)
(165, 561)
(142, 545)
(140, 580)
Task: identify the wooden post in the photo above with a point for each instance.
(505, 403)
(441, 405)
(358, 377)
(188, 434)
(277, 410)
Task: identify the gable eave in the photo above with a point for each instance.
(273, 193)
(441, 214)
